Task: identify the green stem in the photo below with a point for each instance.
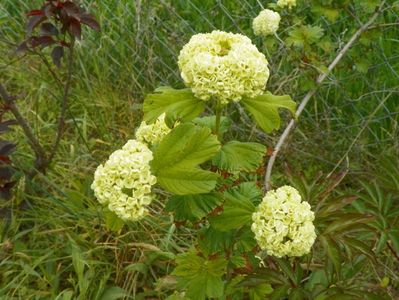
(218, 112)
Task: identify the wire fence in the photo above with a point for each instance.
(140, 40)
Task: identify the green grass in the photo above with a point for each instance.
(59, 245)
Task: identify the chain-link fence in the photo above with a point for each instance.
(355, 109)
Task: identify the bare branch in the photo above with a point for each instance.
(48, 66)
(64, 103)
(311, 93)
(33, 141)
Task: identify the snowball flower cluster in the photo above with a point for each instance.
(124, 181)
(282, 224)
(266, 23)
(152, 133)
(284, 3)
(223, 65)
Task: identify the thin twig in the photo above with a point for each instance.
(64, 104)
(49, 68)
(393, 251)
(33, 141)
(383, 25)
(311, 93)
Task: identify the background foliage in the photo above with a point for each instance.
(65, 246)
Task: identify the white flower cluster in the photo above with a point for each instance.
(285, 3)
(124, 182)
(266, 23)
(223, 65)
(152, 133)
(283, 225)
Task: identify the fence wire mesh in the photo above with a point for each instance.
(137, 51)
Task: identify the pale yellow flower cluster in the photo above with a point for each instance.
(283, 225)
(223, 65)
(285, 3)
(266, 23)
(124, 182)
(152, 133)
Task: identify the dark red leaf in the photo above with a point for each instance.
(75, 29)
(6, 148)
(64, 17)
(35, 12)
(42, 41)
(49, 10)
(64, 27)
(72, 10)
(57, 54)
(5, 159)
(90, 21)
(5, 190)
(5, 126)
(47, 29)
(6, 173)
(33, 22)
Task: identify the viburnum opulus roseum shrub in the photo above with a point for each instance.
(248, 245)
(189, 159)
(218, 68)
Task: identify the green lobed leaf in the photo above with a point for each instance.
(181, 104)
(210, 122)
(240, 156)
(331, 13)
(187, 181)
(238, 261)
(186, 146)
(177, 158)
(259, 292)
(238, 209)
(211, 240)
(201, 277)
(193, 207)
(304, 35)
(264, 109)
(245, 239)
(251, 191)
(232, 291)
